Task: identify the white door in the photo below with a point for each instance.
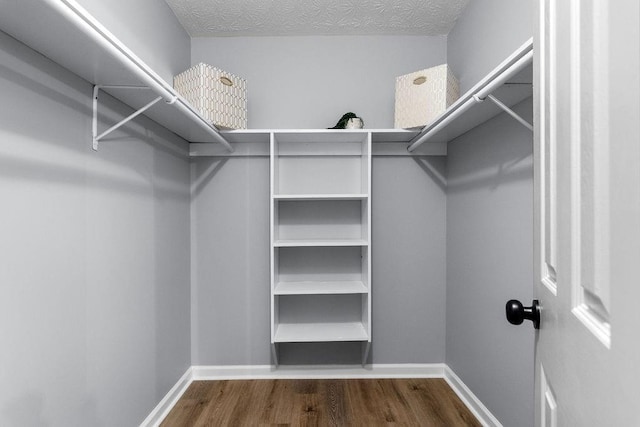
(587, 150)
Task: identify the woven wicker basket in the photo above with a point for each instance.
(424, 95)
(220, 97)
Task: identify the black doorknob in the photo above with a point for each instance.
(517, 313)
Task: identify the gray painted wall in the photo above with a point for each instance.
(299, 82)
(150, 29)
(409, 275)
(490, 261)
(230, 231)
(230, 258)
(94, 277)
(309, 82)
(490, 223)
(485, 34)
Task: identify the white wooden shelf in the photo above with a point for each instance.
(318, 243)
(320, 288)
(510, 82)
(255, 142)
(320, 332)
(322, 197)
(77, 41)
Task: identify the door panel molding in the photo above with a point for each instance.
(590, 167)
(549, 407)
(548, 196)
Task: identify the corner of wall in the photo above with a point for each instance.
(485, 34)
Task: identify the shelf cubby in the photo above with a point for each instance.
(316, 318)
(320, 264)
(321, 220)
(315, 163)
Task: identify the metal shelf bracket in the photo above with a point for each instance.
(510, 112)
(506, 109)
(96, 95)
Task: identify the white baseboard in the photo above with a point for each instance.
(168, 402)
(255, 372)
(431, 370)
(474, 404)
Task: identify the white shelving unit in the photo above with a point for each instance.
(320, 237)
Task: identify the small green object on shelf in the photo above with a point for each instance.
(342, 123)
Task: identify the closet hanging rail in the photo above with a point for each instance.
(79, 17)
(513, 65)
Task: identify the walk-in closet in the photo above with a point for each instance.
(287, 263)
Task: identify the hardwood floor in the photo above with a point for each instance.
(363, 402)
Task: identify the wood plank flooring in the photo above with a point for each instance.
(362, 402)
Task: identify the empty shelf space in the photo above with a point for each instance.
(320, 332)
(320, 264)
(320, 175)
(320, 288)
(321, 220)
(319, 197)
(304, 309)
(319, 243)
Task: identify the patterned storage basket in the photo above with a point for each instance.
(424, 95)
(220, 97)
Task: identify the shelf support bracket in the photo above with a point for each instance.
(510, 112)
(96, 91)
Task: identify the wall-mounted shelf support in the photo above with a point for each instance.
(510, 112)
(512, 66)
(96, 37)
(96, 95)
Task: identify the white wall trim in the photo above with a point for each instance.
(256, 372)
(430, 370)
(474, 404)
(168, 402)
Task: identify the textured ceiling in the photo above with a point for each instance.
(316, 17)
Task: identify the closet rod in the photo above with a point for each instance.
(472, 98)
(78, 16)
